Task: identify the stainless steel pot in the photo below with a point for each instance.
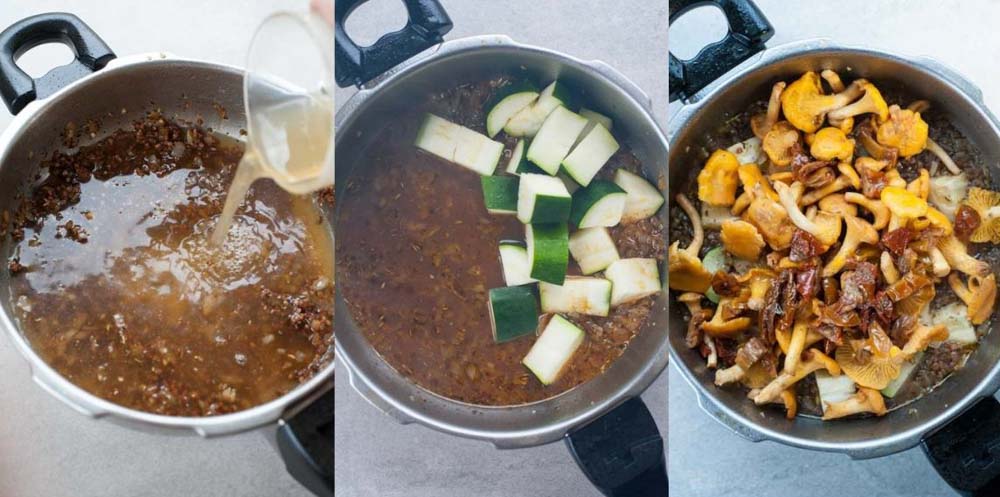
(118, 91)
(451, 64)
(725, 95)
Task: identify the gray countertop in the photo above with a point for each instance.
(375, 455)
(706, 459)
(48, 450)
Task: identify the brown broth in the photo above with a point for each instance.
(117, 287)
(418, 255)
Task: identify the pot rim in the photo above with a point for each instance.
(95, 407)
(401, 410)
(707, 399)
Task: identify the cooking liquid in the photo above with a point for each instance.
(122, 291)
(289, 144)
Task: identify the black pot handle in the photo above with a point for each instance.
(17, 88)
(966, 451)
(748, 30)
(306, 444)
(355, 65)
(622, 452)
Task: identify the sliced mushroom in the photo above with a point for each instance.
(865, 400)
(920, 339)
(838, 184)
(827, 230)
(833, 79)
(905, 131)
(754, 181)
(947, 193)
(830, 144)
(812, 360)
(742, 239)
(955, 252)
(848, 170)
(858, 231)
(903, 203)
(771, 221)
(780, 143)
(921, 186)
(979, 295)
(722, 327)
(875, 371)
(986, 203)
(943, 156)
(761, 124)
(939, 265)
(684, 268)
(718, 180)
(693, 302)
(805, 105)
(697, 230)
(837, 204)
(729, 375)
(871, 103)
(880, 212)
(889, 271)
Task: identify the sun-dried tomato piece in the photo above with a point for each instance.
(725, 284)
(805, 246)
(966, 222)
(896, 240)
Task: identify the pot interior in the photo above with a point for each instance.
(866, 437)
(115, 97)
(529, 424)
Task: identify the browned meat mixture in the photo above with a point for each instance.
(116, 286)
(418, 254)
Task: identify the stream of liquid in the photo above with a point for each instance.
(288, 143)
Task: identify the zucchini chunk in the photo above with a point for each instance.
(596, 118)
(593, 249)
(548, 251)
(529, 120)
(513, 312)
(632, 279)
(833, 388)
(956, 317)
(715, 260)
(553, 349)
(581, 295)
(590, 154)
(500, 194)
(554, 139)
(459, 145)
(506, 103)
(571, 185)
(519, 163)
(643, 198)
(514, 259)
(905, 371)
(542, 199)
(598, 205)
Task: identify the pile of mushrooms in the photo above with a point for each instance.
(831, 255)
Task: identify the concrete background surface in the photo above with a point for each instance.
(46, 449)
(706, 459)
(375, 455)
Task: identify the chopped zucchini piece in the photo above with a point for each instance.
(598, 205)
(905, 371)
(548, 251)
(590, 155)
(643, 198)
(632, 279)
(529, 120)
(500, 194)
(459, 145)
(554, 139)
(715, 260)
(581, 295)
(508, 101)
(553, 350)
(833, 388)
(542, 199)
(519, 163)
(596, 118)
(712, 216)
(514, 259)
(513, 312)
(956, 317)
(593, 249)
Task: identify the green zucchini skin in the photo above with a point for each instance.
(585, 198)
(548, 252)
(500, 193)
(513, 312)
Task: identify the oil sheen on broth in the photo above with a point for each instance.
(117, 285)
(421, 253)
